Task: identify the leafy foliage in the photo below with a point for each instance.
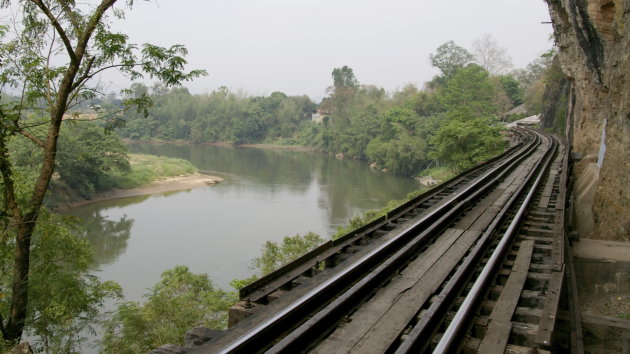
(463, 142)
(275, 255)
(344, 77)
(145, 169)
(49, 56)
(63, 310)
(512, 88)
(450, 57)
(219, 116)
(361, 121)
(180, 301)
(87, 155)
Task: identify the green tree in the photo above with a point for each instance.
(180, 301)
(275, 255)
(463, 141)
(512, 88)
(470, 87)
(449, 57)
(51, 56)
(87, 153)
(344, 77)
(398, 148)
(65, 298)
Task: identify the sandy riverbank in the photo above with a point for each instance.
(169, 184)
(229, 144)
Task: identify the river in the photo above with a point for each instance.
(218, 230)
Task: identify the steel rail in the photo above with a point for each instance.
(419, 338)
(255, 339)
(265, 285)
(332, 312)
(465, 311)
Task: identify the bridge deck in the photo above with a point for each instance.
(475, 265)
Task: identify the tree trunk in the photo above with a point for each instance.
(26, 219)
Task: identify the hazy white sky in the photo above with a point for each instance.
(262, 46)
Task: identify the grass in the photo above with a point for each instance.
(148, 168)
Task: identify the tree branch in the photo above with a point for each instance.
(48, 83)
(32, 137)
(85, 76)
(57, 112)
(58, 28)
(91, 26)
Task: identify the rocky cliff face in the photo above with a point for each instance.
(555, 101)
(593, 37)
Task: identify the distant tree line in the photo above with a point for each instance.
(451, 122)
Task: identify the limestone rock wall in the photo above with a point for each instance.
(555, 101)
(593, 37)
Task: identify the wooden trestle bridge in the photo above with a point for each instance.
(478, 264)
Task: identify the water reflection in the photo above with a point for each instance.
(346, 187)
(267, 167)
(218, 230)
(108, 238)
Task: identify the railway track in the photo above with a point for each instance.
(475, 265)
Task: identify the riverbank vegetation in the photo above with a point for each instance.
(453, 122)
(145, 169)
(180, 301)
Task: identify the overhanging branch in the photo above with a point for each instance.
(32, 137)
(58, 28)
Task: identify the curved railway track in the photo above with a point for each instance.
(475, 265)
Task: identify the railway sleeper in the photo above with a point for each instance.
(379, 233)
(539, 225)
(527, 314)
(535, 264)
(389, 226)
(528, 299)
(471, 346)
(521, 314)
(535, 231)
(537, 281)
(541, 258)
(541, 213)
(523, 334)
(532, 299)
(538, 248)
(334, 260)
(544, 240)
(351, 249)
(543, 252)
